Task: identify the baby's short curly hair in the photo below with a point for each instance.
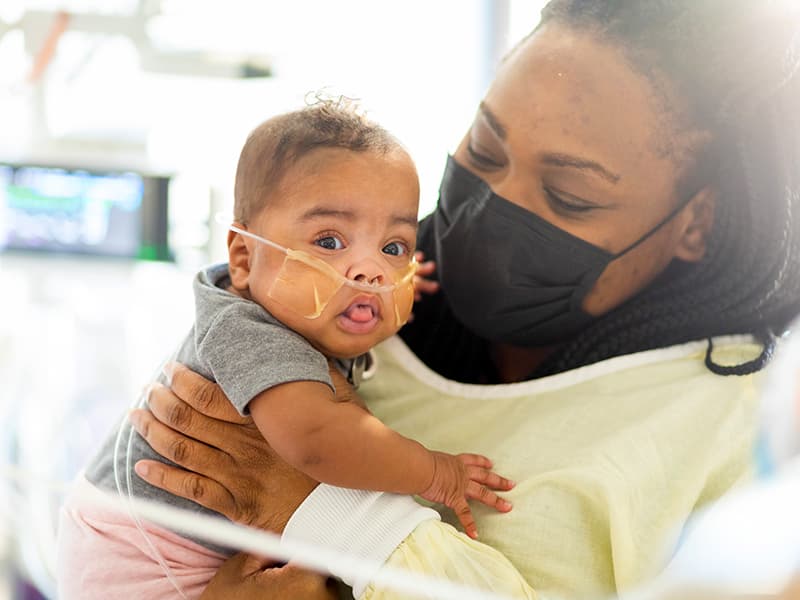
(279, 142)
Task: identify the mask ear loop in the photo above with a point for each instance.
(660, 224)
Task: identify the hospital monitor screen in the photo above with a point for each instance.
(76, 211)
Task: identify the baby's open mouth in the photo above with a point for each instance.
(363, 309)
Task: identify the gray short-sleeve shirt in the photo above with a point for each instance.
(234, 342)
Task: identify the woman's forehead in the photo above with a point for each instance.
(571, 92)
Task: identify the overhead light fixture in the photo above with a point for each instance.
(43, 29)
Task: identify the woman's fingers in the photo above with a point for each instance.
(180, 416)
(201, 394)
(191, 486)
(424, 286)
(426, 269)
(484, 495)
(244, 577)
(295, 582)
(186, 452)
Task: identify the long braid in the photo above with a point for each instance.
(749, 280)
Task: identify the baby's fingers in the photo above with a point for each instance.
(465, 517)
(484, 495)
(489, 478)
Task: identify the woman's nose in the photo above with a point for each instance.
(366, 271)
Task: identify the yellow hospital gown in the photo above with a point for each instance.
(610, 461)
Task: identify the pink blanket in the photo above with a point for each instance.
(102, 554)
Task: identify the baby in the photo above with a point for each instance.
(321, 266)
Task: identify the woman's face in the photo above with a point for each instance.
(569, 131)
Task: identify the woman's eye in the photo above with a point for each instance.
(329, 242)
(481, 160)
(395, 249)
(565, 205)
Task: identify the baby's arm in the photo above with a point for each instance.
(341, 444)
(338, 442)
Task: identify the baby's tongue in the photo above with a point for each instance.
(360, 313)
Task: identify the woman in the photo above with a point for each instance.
(629, 186)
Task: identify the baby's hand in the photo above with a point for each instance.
(423, 285)
(456, 478)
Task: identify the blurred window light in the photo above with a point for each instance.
(524, 15)
(11, 11)
(14, 61)
(94, 89)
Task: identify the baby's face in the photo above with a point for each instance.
(357, 211)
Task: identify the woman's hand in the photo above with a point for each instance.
(246, 577)
(230, 468)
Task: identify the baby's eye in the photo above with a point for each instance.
(329, 242)
(395, 249)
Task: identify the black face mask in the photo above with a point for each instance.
(509, 275)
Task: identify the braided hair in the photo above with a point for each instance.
(737, 65)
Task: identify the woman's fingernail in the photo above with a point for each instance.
(148, 390)
(141, 469)
(134, 419)
(169, 370)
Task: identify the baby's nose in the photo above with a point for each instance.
(368, 272)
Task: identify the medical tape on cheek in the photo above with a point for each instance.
(303, 286)
(307, 284)
(404, 295)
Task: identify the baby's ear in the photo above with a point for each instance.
(238, 260)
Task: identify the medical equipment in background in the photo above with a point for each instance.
(85, 256)
(81, 211)
(44, 29)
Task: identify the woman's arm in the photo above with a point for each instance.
(250, 484)
(247, 482)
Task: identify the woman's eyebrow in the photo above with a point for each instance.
(565, 160)
(552, 158)
(492, 121)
